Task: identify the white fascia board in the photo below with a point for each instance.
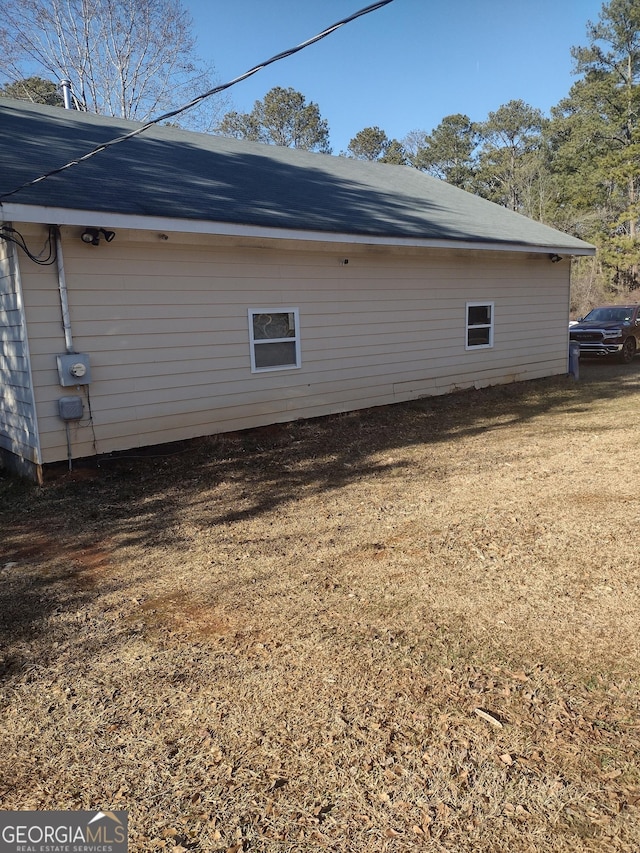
(90, 218)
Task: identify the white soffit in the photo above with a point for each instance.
(12, 212)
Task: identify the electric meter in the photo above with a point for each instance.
(74, 368)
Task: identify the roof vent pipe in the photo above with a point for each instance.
(65, 85)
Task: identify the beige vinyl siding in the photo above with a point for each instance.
(18, 426)
(165, 325)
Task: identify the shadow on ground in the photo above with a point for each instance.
(53, 535)
(132, 491)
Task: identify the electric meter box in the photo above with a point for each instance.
(70, 408)
(74, 368)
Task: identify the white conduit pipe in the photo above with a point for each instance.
(64, 299)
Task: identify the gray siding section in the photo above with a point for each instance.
(19, 446)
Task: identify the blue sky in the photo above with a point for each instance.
(403, 67)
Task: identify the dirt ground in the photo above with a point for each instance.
(409, 628)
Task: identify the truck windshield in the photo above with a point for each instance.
(609, 315)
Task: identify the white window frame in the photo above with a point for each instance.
(253, 343)
(490, 325)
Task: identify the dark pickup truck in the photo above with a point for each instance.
(609, 330)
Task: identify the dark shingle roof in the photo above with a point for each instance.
(167, 172)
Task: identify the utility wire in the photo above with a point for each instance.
(216, 90)
(12, 236)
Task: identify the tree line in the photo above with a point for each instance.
(577, 169)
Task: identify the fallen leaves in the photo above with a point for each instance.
(519, 812)
(299, 648)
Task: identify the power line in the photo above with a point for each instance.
(215, 91)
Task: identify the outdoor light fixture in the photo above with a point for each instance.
(92, 235)
(555, 258)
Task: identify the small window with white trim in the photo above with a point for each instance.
(479, 325)
(274, 335)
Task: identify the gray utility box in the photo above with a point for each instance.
(70, 408)
(74, 368)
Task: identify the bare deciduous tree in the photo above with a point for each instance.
(128, 58)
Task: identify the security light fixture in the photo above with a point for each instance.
(555, 258)
(92, 235)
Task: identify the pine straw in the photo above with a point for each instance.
(410, 628)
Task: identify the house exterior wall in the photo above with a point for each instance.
(165, 324)
(19, 449)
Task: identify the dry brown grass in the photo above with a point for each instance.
(280, 640)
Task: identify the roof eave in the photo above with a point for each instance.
(10, 211)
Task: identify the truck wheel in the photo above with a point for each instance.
(628, 350)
